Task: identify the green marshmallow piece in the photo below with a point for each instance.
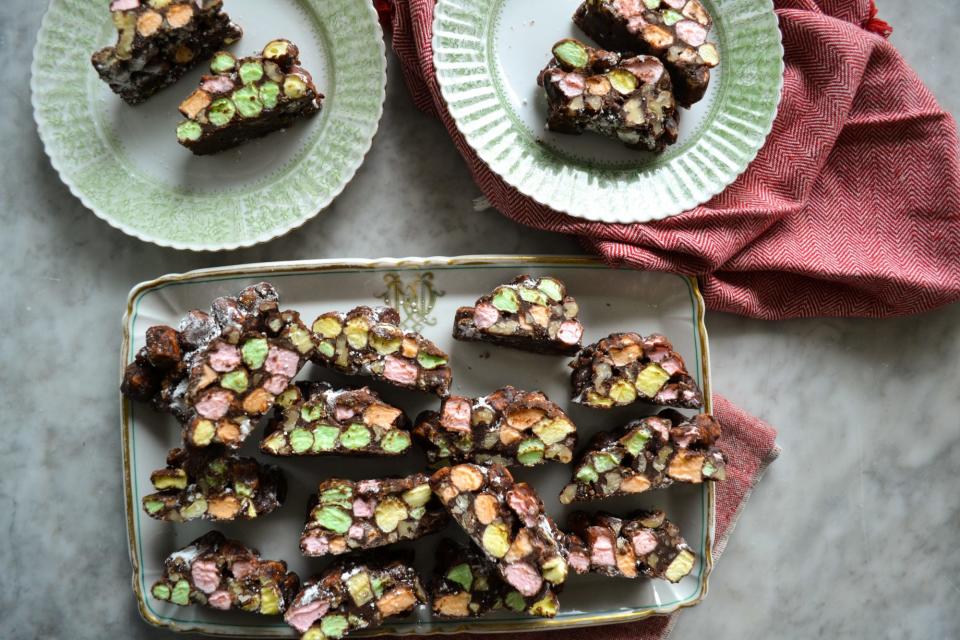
(552, 288)
(325, 438)
(376, 583)
(311, 412)
(223, 62)
(652, 4)
(534, 296)
(181, 593)
(341, 495)
(221, 112)
(161, 591)
(515, 601)
(586, 473)
(269, 94)
(189, 131)
(396, 441)
(671, 17)
(571, 53)
(355, 437)
(428, 361)
(152, 506)
(604, 461)
(301, 440)
(506, 299)
(254, 352)
(235, 381)
(530, 452)
(636, 441)
(334, 518)
(334, 626)
(195, 509)
(326, 349)
(250, 72)
(248, 102)
(462, 575)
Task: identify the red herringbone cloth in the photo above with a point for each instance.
(852, 208)
(750, 445)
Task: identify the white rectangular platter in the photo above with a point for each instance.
(427, 291)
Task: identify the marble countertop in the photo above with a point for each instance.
(852, 534)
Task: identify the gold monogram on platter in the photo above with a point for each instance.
(414, 300)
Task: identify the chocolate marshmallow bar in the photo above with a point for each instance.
(626, 367)
(370, 342)
(247, 98)
(158, 41)
(532, 314)
(628, 98)
(237, 378)
(507, 427)
(348, 515)
(354, 594)
(221, 371)
(508, 522)
(224, 574)
(213, 485)
(650, 453)
(642, 544)
(465, 583)
(313, 418)
(673, 30)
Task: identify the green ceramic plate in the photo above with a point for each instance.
(124, 162)
(488, 53)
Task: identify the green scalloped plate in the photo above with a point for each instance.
(124, 162)
(487, 55)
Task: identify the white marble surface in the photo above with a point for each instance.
(853, 534)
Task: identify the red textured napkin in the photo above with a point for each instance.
(852, 208)
(750, 445)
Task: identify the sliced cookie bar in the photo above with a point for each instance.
(650, 453)
(313, 418)
(247, 98)
(158, 41)
(673, 30)
(354, 594)
(624, 368)
(627, 98)
(370, 342)
(212, 484)
(349, 515)
(509, 427)
(224, 574)
(532, 314)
